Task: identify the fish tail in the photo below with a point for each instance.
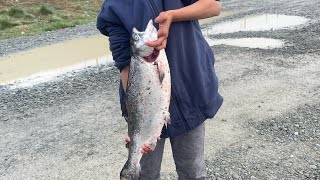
(130, 171)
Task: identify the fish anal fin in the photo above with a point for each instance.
(167, 119)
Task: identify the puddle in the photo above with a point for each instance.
(261, 43)
(264, 22)
(50, 75)
(55, 59)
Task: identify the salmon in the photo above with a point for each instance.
(147, 98)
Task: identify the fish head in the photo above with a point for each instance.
(139, 39)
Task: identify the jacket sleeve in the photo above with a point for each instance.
(110, 25)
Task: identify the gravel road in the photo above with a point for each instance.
(268, 127)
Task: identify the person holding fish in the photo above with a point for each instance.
(172, 66)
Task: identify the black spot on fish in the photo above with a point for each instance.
(148, 88)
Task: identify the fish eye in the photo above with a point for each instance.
(136, 37)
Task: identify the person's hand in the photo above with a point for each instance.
(164, 20)
(145, 147)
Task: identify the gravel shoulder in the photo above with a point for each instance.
(268, 127)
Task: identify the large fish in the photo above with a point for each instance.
(147, 97)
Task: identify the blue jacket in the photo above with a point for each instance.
(195, 96)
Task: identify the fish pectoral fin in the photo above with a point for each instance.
(160, 70)
(161, 76)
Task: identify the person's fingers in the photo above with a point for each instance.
(145, 148)
(159, 48)
(162, 32)
(161, 42)
(162, 46)
(156, 43)
(161, 18)
(127, 139)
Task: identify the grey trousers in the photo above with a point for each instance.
(188, 155)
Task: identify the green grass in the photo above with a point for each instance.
(29, 16)
(16, 12)
(3, 11)
(45, 10)
(28, 19)
(54, 19)
(6, 24)
(60, 25)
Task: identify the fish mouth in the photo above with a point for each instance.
(153, 56)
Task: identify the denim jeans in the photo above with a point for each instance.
(188, 154)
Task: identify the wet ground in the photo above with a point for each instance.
(268, 127)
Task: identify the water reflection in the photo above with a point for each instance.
(256, 23)
(261, 43)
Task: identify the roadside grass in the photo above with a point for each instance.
(5, 24)
(35, 16)
(46, 10)
(16, 12)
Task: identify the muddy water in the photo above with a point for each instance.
(42, 59)
(260, 43)
(263, 22)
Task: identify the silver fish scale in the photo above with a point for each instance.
(144, 99)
